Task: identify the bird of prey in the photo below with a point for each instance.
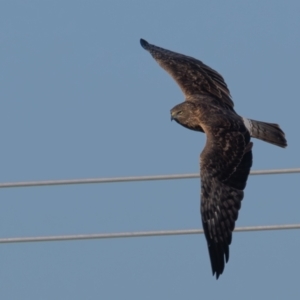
(227, 156)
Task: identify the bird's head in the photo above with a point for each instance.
(185, 115)
(181, 112)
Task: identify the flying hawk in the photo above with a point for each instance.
(227, 156)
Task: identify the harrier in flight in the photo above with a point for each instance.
(227, 156)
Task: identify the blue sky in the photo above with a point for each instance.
(81, 98)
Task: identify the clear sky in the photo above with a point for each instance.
(80, 98)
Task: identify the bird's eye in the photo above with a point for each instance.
(179, 113)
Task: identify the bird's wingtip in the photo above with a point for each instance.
(144, 44)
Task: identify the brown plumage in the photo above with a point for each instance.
(227, 156)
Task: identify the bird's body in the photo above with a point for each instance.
(227, 156)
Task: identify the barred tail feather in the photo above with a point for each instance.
(268, 132)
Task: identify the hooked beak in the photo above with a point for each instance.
(172, 116)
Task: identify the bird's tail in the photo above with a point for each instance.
(268, 132)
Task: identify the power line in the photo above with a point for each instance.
(130, 179)
(137, 234)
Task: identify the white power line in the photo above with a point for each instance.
(130, 179)
(136, 234)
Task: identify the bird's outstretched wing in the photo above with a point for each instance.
(225, 165)
(193, 76)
